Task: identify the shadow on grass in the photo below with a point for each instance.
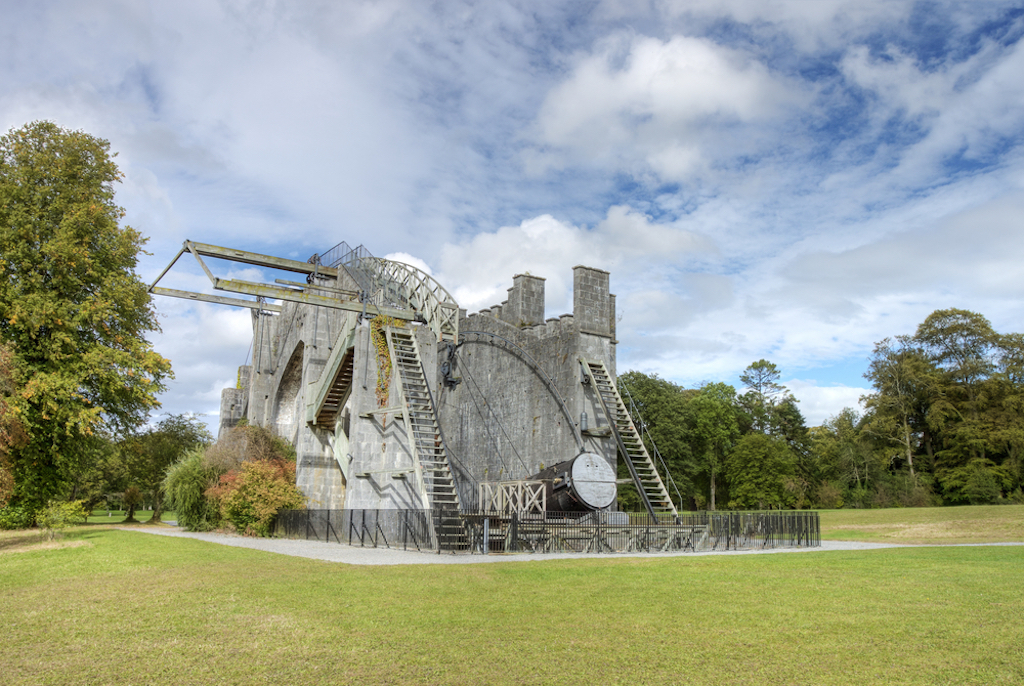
(19, 539)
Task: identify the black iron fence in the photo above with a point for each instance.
(482, 532)
(404, 529)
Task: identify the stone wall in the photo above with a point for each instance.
(502, 421)
(591, 302)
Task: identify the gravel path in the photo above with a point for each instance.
(353, 555)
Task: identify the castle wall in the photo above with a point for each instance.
(382, 470)
(501, 422)
(290, 351)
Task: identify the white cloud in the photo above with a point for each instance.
(787, 180)
(480, 270)
(639, 99)
(406, 258)
(819, 403)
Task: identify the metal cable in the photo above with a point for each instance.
(497, 421)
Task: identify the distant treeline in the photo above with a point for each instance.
(943, 425)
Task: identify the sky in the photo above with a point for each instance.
(790, 181)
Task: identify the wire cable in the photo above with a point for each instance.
(497, 421)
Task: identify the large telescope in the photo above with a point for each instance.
(582, 484)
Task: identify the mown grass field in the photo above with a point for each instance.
(111, 606)
(926, 525)
(117, 516)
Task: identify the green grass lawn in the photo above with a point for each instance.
(976, 524)
(117, 516)
(109, 606)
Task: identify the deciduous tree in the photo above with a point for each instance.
(905, 381)
(71, 306)
(150, 454)
(760, 471)
(713, 429)
(660, 408)
(11, 433)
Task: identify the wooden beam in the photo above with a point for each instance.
(279, 293)
(259, 260)
(217, 299)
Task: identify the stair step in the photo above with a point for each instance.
(424, 435)
(629, 439)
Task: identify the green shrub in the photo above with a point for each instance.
(981, 487)
(15, 518)
(57, 516)
(243, 480)
(186, 484)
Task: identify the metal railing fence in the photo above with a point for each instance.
(402, 529)
(484, 532)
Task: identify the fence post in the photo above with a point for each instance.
(515, 532)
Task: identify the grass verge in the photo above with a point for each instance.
(130, 608)
(926, 525)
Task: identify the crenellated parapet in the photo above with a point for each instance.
(593, 306)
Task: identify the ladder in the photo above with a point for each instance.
(641, 467)
(426, 440)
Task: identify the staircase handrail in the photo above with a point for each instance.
(635, 411)
(440, 432)
(396, 284)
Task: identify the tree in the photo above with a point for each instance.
(904, 380)
(772, 408)
(186, 484)
(130, 500)
(658, 409)
(150, 454)
(760, 472)
(761, 378)
(961, 342)
(12, 435)
(71, 307)
(713, 428)
(964, 347)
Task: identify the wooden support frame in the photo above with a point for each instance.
(521, 497)
(292, 292)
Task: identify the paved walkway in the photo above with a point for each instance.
(354, 555)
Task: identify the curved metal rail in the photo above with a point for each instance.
(399, 285)
(547, 380)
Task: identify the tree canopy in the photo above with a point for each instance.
(11, 433)
(943, 425)
(72, 310)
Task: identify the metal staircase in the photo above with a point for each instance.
(649, 485)
(426, 440)
(328, 394)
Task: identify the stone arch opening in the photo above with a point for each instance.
(288, 403)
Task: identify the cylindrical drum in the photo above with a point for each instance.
(584, 483)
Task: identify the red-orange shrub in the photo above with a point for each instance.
(251, 496)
